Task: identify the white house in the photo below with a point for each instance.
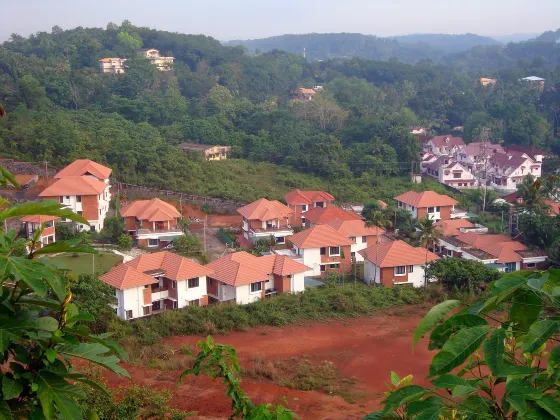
(264, 218)
(162, 63)
(113, 65)
(361, 235)
(243, 278)
(448, 171)
(443, 145)
(506, 171)
(157, 282)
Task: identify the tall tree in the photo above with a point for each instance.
(379, 220)
(428, 234)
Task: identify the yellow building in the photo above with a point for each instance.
(112, 65)
(485, 81)
(162, 63)
(209, 152)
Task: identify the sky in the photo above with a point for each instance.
(250, 19)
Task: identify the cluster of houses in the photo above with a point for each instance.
(117, 65)
(312, 237)
(456, 164)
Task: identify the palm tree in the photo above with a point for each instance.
(379, 220)
(427, 233)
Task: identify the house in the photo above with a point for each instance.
(419, 131)
(157, 282)
(361, 235)
(32, 223)
(243, 278)
(264, 218)
(322, 215)
(162, 63)
(495, 250)
(427, 204)
(475, 156)
(485, 81)
(450, 172)
(302, 201)
(304, 94)
(536, 154)
(454, 227)
(506, 171)
(153, 223)
(443, 145)
(396, 263)
(112, 65)
(534, 82)
(208, 152)
(322, 249)
(83, 186)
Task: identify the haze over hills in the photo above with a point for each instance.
(447, 42)
(504, 39)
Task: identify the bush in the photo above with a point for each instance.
(125, 242)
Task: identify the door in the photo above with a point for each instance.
(156, 305)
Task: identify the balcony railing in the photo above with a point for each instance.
(142, 231)
(271, 229)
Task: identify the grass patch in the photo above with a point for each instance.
(83, 263)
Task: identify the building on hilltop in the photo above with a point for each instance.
(162, 63)
(209, 152)
(112, 65)
(153, 223)
(506, 171)
(485, 81)
(157, 282)
(304, 94)
(427, 204)
(449, 171)
(443, 145)
(301, 202)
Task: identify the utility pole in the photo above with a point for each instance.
(205, 223)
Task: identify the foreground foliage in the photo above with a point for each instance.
(516, 375)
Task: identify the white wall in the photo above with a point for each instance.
(297, 283)
(417, 275)
(358, 246)
(103, 201)
(243, 295)
(225, 292)
(130, 299)
(184, 294)
(312, 259)
(370, 276)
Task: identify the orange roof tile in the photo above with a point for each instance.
(83, 167)
(264, 209)
(476, 240)
(154, 210)
(74, 185)
(175, 266)
(425, 199)
(396, 253)
(307, 197)
(318, 237)
(451, 227)
(284, 266)
(306, 91)
(39, 219)
(354, 228)
(505, 251)
(322, 215)
(125, 277)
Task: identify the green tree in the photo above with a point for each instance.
(125, 242)
(32, 93)
(94, 297)
(128, 44)
(175, 105)
(379, 220)
(113, 228)
(65, 231)
(461, 273)
(188, 244)
(428, 234)
(554, 254)
(539, 228)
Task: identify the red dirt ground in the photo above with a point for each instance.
(367, 348)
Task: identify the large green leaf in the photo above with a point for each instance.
(416, 407)
(508, 370)
(442, 332)
(457, 349)
(42, 208)
(538, 334)
(429, 414)
(94, 352)
(5, 175)
(47, 323)
(11, 330)
(522, 389)
(10, 388)
(477, 405)
(54, 389)
(378, 415)
(31, 272)
(74, 245)
(403, 396)
(550, 404)
(534, 414)
(5, 412)
(494, 348)
(524, 311)
(554, 357)
(435, 315)
(449, 381)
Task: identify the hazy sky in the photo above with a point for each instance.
(246, 19)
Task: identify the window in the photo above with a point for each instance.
(510, 267)
(353, 239)
(303, 207)
(68, 197)
(256, 287)
(456, 174)
(146, 310)
(92, 228)
(152, 242)
(173, 284)
(410, 268)
(128, 314)
(431, 209)
(146, 286)
(49, 224)
(193, 283)
(323, 268)
(437, 209)
(334, 266)
(100, 212)
(281, 240)
(353, 256)
(400, 270)
(364, 239)
(531, 265)
(334, 251)
(319, 204)
(79, 198)
(80, 212)
(449, 253)
(323, 251)
(195, 302)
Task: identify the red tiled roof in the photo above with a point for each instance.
(396, 253)
(39, 219)
(354, 228)
(321, 215)
(307, 197)
(503, 160)
(306, 91)
(476, 240)
(154, 210)
(126, 277)
(85, 166)
(447, 141)
(74, 185)
(425, 199)
(531, 151)
(284, 266)
(451, 227)
(477, 149)
(505, 251)
(175, 266)
(318, 237)
(264, 209)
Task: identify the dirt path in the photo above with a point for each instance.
(366, 348)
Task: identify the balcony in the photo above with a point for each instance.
(272, 229)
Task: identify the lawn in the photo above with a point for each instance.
(82, 263)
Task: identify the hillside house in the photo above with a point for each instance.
(486, 81)
(454, 227)
(157, 282)
(443, 145)
(301, 202)
(208, 152)
(112, 65)
(506, 171)
(32, 223)
(450, 172)
(304, 94)
(396, 263)
(83, 186)
(322, 249)
(322, 215)
(534, 82)
(264, 218)
(153, 223)
(361, 235)
(475, 156)
(427, 204)
(243, 278)
(162, 63)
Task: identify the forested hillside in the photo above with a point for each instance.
(349, 139)
(447, 42)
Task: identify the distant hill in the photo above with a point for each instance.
(553, 36)
(506, 39)
(447, 43)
